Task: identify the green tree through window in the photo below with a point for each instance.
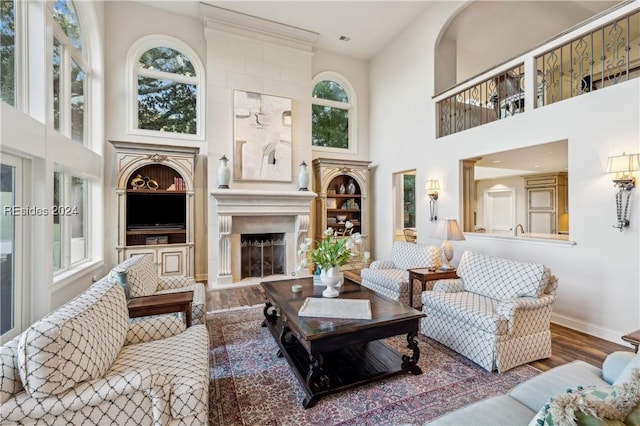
(7, 51)
(167, 92)
(330, 115)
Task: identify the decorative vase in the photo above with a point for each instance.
(341, 189)
(330, 278)
(224, 173)
(351, 187)
(303, 177)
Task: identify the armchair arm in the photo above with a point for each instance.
(24, 409)
(381, 264)
(146, 329)
(539, 307)
(165, 283)
(451, 285)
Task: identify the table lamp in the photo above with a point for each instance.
(446, 230)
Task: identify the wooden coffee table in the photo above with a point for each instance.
(329, 355)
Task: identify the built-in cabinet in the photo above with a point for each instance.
(155, 204)
(547, 204)
(342, 188)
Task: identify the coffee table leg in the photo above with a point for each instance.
(269, 314)
(411, 362)
(316, 379)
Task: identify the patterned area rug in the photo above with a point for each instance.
(250, 385)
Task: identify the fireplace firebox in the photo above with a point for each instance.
(263, 255)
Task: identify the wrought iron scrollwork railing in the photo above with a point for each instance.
(495, 98)
(601, 58)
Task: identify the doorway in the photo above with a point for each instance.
(404, 210)
(500, 209)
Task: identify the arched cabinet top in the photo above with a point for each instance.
(158, 163)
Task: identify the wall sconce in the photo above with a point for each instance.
(432, 187)
(623, 166)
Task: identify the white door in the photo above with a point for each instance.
(10, 247)
(500, 211)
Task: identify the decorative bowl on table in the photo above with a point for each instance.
(341, 218)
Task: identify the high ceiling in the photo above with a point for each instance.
(371, 25)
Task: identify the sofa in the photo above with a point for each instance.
(139, 276)
(391, 277)
(79, 365)
(498, 313)
(542, 399)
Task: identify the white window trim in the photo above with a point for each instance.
(68, 53)
(136, 50)
(350, 106)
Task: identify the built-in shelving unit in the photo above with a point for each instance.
(343, 195)
(156, 205)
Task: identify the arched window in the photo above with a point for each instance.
(167, 82)
(8, 52)
(333, 113)
(69, 71)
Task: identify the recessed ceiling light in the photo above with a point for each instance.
(496, 161)
(345, 38)
(536, 166)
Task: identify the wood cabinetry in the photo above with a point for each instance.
(547, 204)
(343, 195)
(155, 202)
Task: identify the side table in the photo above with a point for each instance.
(633, 338)
(424, 275)
(164, 303)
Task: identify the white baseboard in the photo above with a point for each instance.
(591, 329)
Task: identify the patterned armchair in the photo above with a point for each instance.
(497, 314)
(74, 366)
(391, 277)
(143, 280)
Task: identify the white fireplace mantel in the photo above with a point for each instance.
(259, 207)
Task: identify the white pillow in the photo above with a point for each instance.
(625, 375)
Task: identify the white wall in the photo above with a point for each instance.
(599, 277)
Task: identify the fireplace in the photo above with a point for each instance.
(262, 255)
(250, 212)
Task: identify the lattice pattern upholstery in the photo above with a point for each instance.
(496, 333)
(143, 279)
(161, 382)
(146, 329)
(391, 277)
(77, 342)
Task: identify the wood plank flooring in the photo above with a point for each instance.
(566, 344)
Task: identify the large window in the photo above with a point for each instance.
(7, 51)
(68, 72)
(332, 116)
(70, 237)
(167, 89)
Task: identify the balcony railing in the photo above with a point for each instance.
(599, 58)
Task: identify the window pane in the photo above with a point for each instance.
(7, 252)
(65, 15)
(77, 102)
(57, 54)
(167, 60)
(7, 52)
(57, 223)
(330, 127)
(330, 90)
(75, 210)
(409, 187)
(166, 105)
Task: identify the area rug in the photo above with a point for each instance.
(250, 385)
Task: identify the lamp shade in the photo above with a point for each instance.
(448, 229)
(432, 185)
(625, 163)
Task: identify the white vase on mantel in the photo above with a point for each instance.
(303, 177)
(330, 277)
(224, 173)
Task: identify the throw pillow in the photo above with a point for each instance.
(604, 405)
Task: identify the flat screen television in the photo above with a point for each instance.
(146, 210)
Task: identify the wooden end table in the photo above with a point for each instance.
(633, 338)
(165, 303)
(425, 275)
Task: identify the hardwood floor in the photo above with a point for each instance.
(566, 344)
